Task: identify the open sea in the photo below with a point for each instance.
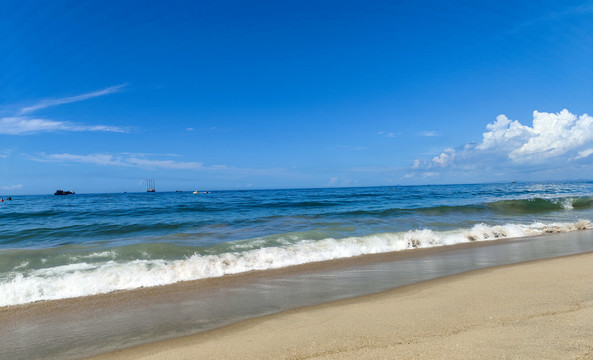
(55, 247)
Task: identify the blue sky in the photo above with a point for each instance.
(97, 96)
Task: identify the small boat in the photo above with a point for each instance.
(150, 185)
(62, 192)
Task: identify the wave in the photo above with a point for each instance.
(87, 278)
(536, 205)
(511, 207)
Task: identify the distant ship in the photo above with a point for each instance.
(150, 185)
(62, 192)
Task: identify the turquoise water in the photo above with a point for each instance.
(54, 247)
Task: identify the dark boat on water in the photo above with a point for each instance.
(150, 185)
(62, 192)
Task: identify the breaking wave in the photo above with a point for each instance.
(535, 205)
(86, 278)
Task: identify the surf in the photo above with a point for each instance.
(108, 273)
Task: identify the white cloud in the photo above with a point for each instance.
(66, 100)
(22, 124)
(123, 159)
(583, 154)
(341, 182)
(12, 187)
(148, 162)
(550, 135)
(445, 158)
(98, 159)
(550, 142)
(429, 133)
(19, 125)
(350, 148)
(164, 164)
(388, 134)
(504, 133)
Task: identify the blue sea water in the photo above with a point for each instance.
(54, 247)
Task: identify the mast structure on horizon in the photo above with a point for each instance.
(150, 185)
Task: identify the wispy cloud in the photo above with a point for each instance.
(429, 133)
(123, 159)
(335, 181)
(579, 10)
(141, 160)
(388, 134)
(583, 154)
(350, 147)
(23, 124)
(152, 162)
(66, 100)
(97, 159)
(552, 141)
(12, 187)
(5, 153)
(164, 164)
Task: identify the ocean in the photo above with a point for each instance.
(56, 247)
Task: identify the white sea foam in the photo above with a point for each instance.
(567, 204)
(80, 279)
(103, 254)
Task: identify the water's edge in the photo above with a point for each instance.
(68, 329)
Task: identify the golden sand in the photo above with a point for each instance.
(536, 310)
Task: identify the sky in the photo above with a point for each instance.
(98, 96)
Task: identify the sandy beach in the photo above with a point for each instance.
(534, 310)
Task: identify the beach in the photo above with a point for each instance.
(534, 310)
(539, 308)
(301, 273)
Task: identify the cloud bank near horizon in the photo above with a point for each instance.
(553, 139)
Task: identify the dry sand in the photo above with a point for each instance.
(536, 310)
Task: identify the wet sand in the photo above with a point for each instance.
(412, 319)
(536, 310)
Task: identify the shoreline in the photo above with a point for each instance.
(233, 279)
(535, 309)
(105, 320)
